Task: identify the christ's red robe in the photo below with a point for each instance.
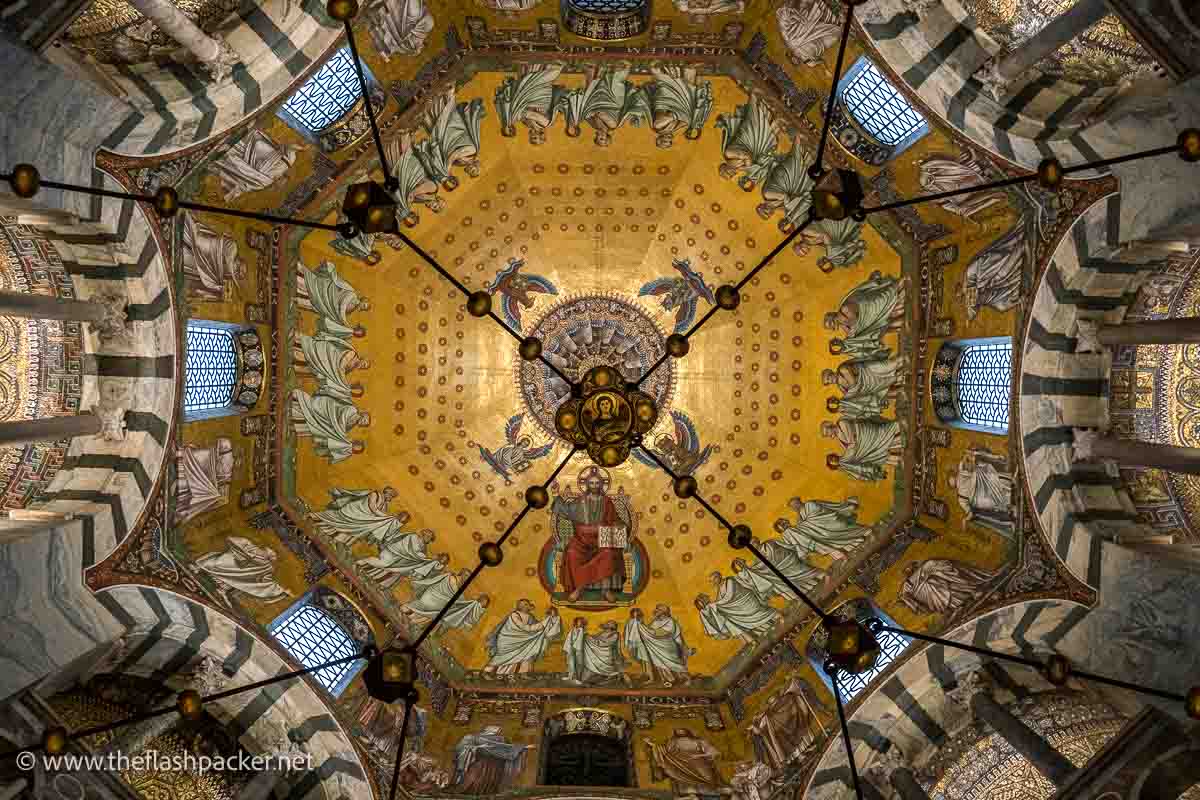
(584, 561)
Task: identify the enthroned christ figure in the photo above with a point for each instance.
(592, 532)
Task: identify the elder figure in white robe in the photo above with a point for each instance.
(597, 658)
(521, 639)
(870, 445)
(993, 278)
(203, 478)
(329, 422)
(737, 612)
(403, 555)
(431, 594)
(658, 646)
(942, 586)
(253, 164)
(822, 526)
(210, 261)
(328, 294)
(939, 175)
(984, 491)
(245, 567)
(357, 514)
(399, 27)
(808, 32)
(329, 358)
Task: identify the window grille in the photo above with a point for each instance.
(327, 95)
(891, 645)
(983, 384)
(313, 637)
(608, 6)
(210, 369)
(879, 107)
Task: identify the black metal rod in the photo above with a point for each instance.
(837, 695)
(1108, 162)
(928, 198)
(366, 90)
(229, 212)
(837, 77)
(121, 723)
(1029, 662)
(400, 749)
(433, 623)
(287, 676)
(795, 589)
(1159, 693)
(778, 249)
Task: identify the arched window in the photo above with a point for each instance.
(971, 384)
(313, 636)
(326, 96)
(891, 645)
(884, 122)
(210, 370)
(605, 20)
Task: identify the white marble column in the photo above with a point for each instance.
(104, 314)
(216, 56)
(997, 72)
(1094, 335)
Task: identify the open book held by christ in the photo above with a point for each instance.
(614, 536)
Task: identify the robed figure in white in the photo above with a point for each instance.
(822, 526)
(984, 490)
(870, 310)
(253, 164)
(433, 593)
(870, 445)
(399, 27)
(658, 645)
(203, 478)
(329, 422)
(521, 639)
(993, 278)
(808, 31)
(328, 358)
(402, 555)
(245, 567)
(210, 261)
(597, 657)
(737, 611)
(328, 294)
(359, 514)
(942, 586)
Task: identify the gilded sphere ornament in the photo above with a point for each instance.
(1193, 702)
(189, 704)
(610, 455)
(685, 486)
(1050, 173)
(739, 536)
(728, 297)
(25, 180)
(342, 10)
(1057, 670)
(1189, 145)
(852, 647)
(606, 415)
(490, 554)
(166, 202)
(537, 496)
(677, 345)
(479, 304)
(531, 348)
(54, 740)
(828, 205)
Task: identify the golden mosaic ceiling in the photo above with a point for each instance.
(602, 237)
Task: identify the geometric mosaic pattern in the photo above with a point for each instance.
(314, 637)
(211, 369)
(984, 384)
(327, 95)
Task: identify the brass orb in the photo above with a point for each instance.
(393, 670)
(189, 704)
(1050, 173)
(166, 202)
(25, 180)
(677, 345)
(610, 455)
(479, 304)
(739, 536)
(531, 348)
(828, 205)
(490, 554)
(728, 297)
(1057, 670)
(359, 195)
(852, 647)
(1193, 702)
(602, 377)
(1189, 145)
(537, 496)
(342, 10)
(645, 412)
(685, 486)
(567, 419)
(54, 740)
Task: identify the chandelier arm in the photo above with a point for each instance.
(778, 249)
(837, 695)
(135, 719)
(653, 367)
(983, 651)
(837, 76)
(983, 187)
(145, 198)
(400, 749)
(431, 261)
(1133, 687)
(1108, 162)
(362, 82)
(795, 589)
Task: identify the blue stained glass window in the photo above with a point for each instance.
(983, 384)
(313, 637)
(327, 95)
(879, 107)
(891, 645)
(210, 369)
